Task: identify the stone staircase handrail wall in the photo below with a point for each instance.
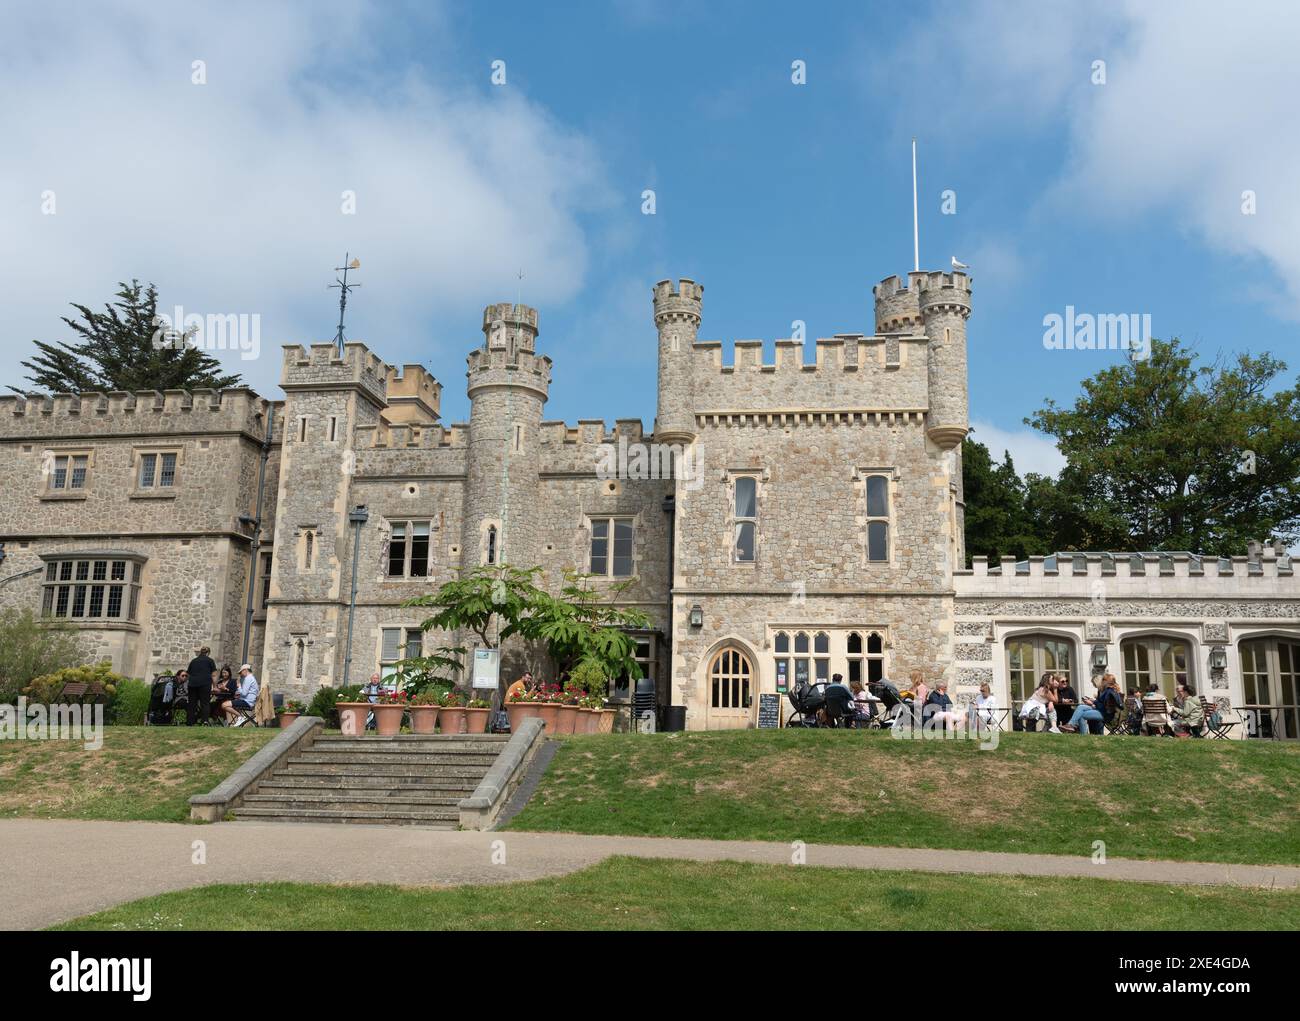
(480, 810)
(213, 806)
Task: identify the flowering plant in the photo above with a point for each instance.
(549, 693)
(392, 698)
(523, 695)
(428, 697)
(291, 705)
(478, 703)
(452, 700)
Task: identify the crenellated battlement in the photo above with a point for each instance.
(413, 395)
(1104, 576)
(679, 303)
(499, 367)
(237, 409)
(410, 435)
(319, 367)
(852, 372)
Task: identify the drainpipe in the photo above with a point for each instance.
(670, 508)
(358, 517)
(256, 522)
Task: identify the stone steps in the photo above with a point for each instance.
(411, 780)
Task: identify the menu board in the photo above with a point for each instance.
(769, 711)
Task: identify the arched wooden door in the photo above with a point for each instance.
(731, 688)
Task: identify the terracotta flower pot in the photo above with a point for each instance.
(518, 712)
(567, 719)
(547, 712)
(606, 724)
(352, 717)
(287, 718)
(424, 718)
(476, 720)
(592, 719)
(388, 719)
(451, 719)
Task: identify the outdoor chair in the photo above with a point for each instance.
(1155, 715)
(1228, 719)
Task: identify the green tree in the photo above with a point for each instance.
(1164, 454)
(121, 348)
(31, 648)
(997, 522)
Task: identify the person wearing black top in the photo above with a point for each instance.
(223, 691)
(201, 669)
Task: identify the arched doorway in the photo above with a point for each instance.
(1163, 660)
(731, 684)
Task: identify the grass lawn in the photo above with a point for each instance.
(139, 773)
(1227, 801)
(640, 893)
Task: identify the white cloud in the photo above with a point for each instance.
(1198, 106)
(228, 194)
(1030, 451)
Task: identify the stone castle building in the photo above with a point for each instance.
(815, 525)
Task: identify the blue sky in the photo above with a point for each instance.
(788, 202)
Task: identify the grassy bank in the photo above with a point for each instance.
(139, 773)
(637, 893)
(1144, 797)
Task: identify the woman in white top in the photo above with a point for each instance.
(984, 708)
(1042, 704)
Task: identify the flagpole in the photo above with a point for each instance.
(916, 234)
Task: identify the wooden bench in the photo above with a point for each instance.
(86, 694)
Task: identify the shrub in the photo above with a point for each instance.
(47, 688)
(322, 703)
(31, 648)
(131, 703)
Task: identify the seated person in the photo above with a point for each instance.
(1159, 723)
(1085, 714)
(1066, 697)
(863, 702)
(983, 711)
(224, 689)
(1187, 709)
(1041, 705)
(938, 706)
(245, 697)
(1109, 701)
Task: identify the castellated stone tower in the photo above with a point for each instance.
(327, 398)
(677, 317)
(507, 385)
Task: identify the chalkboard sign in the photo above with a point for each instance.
(769, 711)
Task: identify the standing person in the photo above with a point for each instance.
(245, 697)
(200, 672)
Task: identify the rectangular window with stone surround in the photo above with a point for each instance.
(91, 587)
(611, 547)
(66, 472)
(408, 549)
(397, 644)
(745, 518)
(156, 470)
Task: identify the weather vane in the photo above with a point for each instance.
(344, 287)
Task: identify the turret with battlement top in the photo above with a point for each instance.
(677, 318)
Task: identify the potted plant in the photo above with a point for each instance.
(567, 719)
(289, 712)
(352, 717)
(476, 716)
(424, 712)
(451, 712)
(520, 706)
(389, 710)
(548, 706)
(587, 680)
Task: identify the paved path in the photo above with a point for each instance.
(56, 869)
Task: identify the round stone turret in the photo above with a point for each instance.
(677, 318)
(945, 307)
(898, 307)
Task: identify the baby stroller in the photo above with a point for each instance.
(166, 699)
(897, 705)
(821, 705)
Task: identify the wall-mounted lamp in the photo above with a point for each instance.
(697, 616)
(1218, 659)
(1099, 658)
